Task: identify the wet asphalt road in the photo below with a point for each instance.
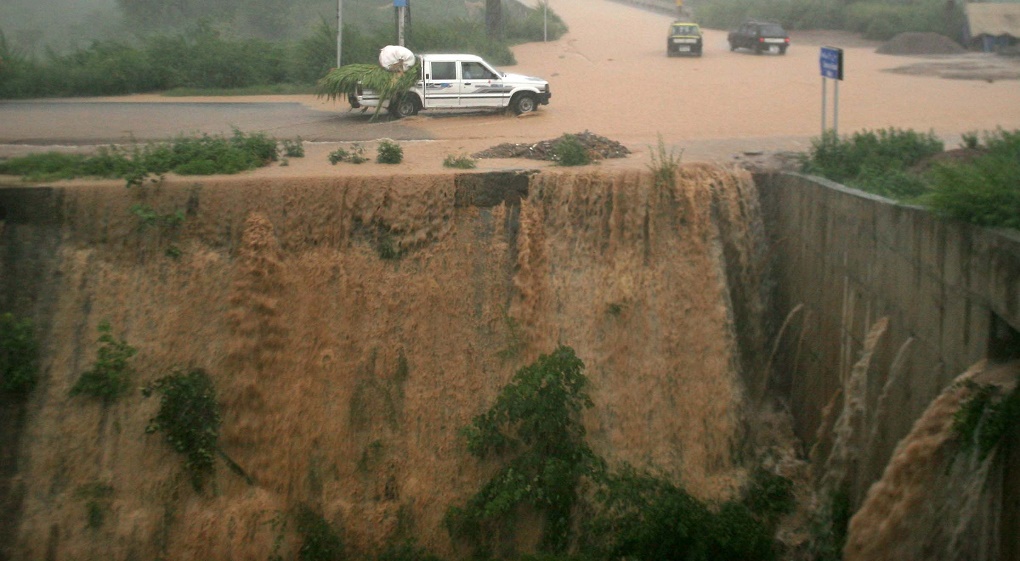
(69, 122)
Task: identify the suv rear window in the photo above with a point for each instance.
(772, 30)
(685, 30)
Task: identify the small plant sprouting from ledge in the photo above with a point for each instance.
(665, 164)
(19, 355)
(189, 416)
(110, 376)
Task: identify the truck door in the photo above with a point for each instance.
(481, 86)
(442, 89)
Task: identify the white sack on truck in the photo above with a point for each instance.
(396, 58)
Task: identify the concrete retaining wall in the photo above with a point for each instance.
(951, 292)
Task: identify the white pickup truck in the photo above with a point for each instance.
(458, 81)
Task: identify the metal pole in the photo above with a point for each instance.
(823, 105)
(835, 111)
(545, 20)
(400, 25)
(339, 30)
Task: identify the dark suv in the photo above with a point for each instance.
(761, 37)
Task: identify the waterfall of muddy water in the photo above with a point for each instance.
(849, 431)
(933, 502)
(352, 326)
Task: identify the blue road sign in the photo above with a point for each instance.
(831, 61)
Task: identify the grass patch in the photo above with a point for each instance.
(460, 161)
(201, 155)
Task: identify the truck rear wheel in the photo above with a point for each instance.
(405, 106)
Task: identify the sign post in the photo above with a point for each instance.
(831, 63)
(401, 8)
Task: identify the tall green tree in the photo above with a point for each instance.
(535, 429)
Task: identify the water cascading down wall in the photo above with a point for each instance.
(351, 327)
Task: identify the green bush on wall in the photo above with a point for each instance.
(110, 376)
(19, 355)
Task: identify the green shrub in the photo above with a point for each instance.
(985, 191)
(110, 376)
(843, 159)
(406, 551)
(769, 496)
(570, 151)
(389, 152)
(293, 148)
(892, 183)
(535, 429)
(462, 161)
(648, 518)
(19, 355)
(189, 417)
(320, 542)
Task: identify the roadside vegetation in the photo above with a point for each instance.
(199, 155)
(214, 51)
(977, 183)
(871, 18)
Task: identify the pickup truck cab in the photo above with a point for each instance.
(459, 81)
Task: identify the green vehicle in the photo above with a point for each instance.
(684, 39)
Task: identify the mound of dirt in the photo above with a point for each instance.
(920, 44)
(599, 147)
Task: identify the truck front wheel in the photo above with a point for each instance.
(523, 103)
